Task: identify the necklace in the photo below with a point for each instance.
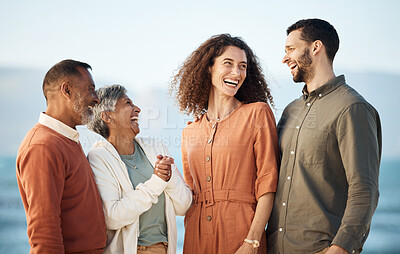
(134, 161)
(210, 117)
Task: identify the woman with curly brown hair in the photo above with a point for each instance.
(230, 154)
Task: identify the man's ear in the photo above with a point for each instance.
(66, 89)
(317, 47)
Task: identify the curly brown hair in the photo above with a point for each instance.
(192, 83)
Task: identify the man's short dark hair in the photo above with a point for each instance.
(318, 29)
(65, 68)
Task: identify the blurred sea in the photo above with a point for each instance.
(384, 237)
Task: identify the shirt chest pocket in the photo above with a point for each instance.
(311, 147)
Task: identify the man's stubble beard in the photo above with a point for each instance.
(85, 114)
(304, 70)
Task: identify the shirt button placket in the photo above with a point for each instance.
(289, 173)
(208, 183)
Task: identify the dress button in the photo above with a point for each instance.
(208, 158)
(210, 140)
(209, 218)
(297, 127)
(308, 104)
(283, 204)
(288, 177)
(208, 178)
(291, 152)
(280, 229)
(320, 95)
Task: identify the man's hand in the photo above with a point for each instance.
(334, 249)
(162, 168)
(195, 119)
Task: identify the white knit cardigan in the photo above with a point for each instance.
(122, 204)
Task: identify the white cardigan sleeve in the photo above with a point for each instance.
(121, 203)
(177, 189)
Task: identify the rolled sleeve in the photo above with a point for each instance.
(266, 153)
(265, 184)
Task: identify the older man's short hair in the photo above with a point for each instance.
(65, 68)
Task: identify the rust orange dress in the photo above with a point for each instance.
(229, 165)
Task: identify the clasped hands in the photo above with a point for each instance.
(162, 167)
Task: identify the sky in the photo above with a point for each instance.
(142, 43)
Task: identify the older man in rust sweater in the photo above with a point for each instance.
(62, 204)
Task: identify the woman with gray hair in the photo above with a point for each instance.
(139, 184)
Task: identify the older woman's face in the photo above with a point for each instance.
(229, 71)
(126, 117)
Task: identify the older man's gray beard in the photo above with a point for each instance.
(85, 112)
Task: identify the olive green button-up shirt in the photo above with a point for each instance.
(330, 144)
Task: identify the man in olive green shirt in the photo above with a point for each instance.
(330, 143)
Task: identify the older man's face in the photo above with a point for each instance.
(84, 96)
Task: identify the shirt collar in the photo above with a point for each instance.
(59, 127)
(324, 89)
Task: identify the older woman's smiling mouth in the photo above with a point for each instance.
(135, 119)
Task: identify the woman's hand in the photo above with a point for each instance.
(257, 228)
(162, 168)
(246, 249)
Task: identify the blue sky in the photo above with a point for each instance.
(141, 43)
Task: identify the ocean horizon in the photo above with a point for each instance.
(383, 237)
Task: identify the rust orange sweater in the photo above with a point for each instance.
(62, 204)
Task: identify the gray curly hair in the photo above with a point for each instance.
(108, 96)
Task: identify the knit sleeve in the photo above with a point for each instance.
(41, 176)
(122, 205)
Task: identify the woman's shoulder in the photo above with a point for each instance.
(152, 145)
(150, 141)
(102, 148)
(257, 107)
